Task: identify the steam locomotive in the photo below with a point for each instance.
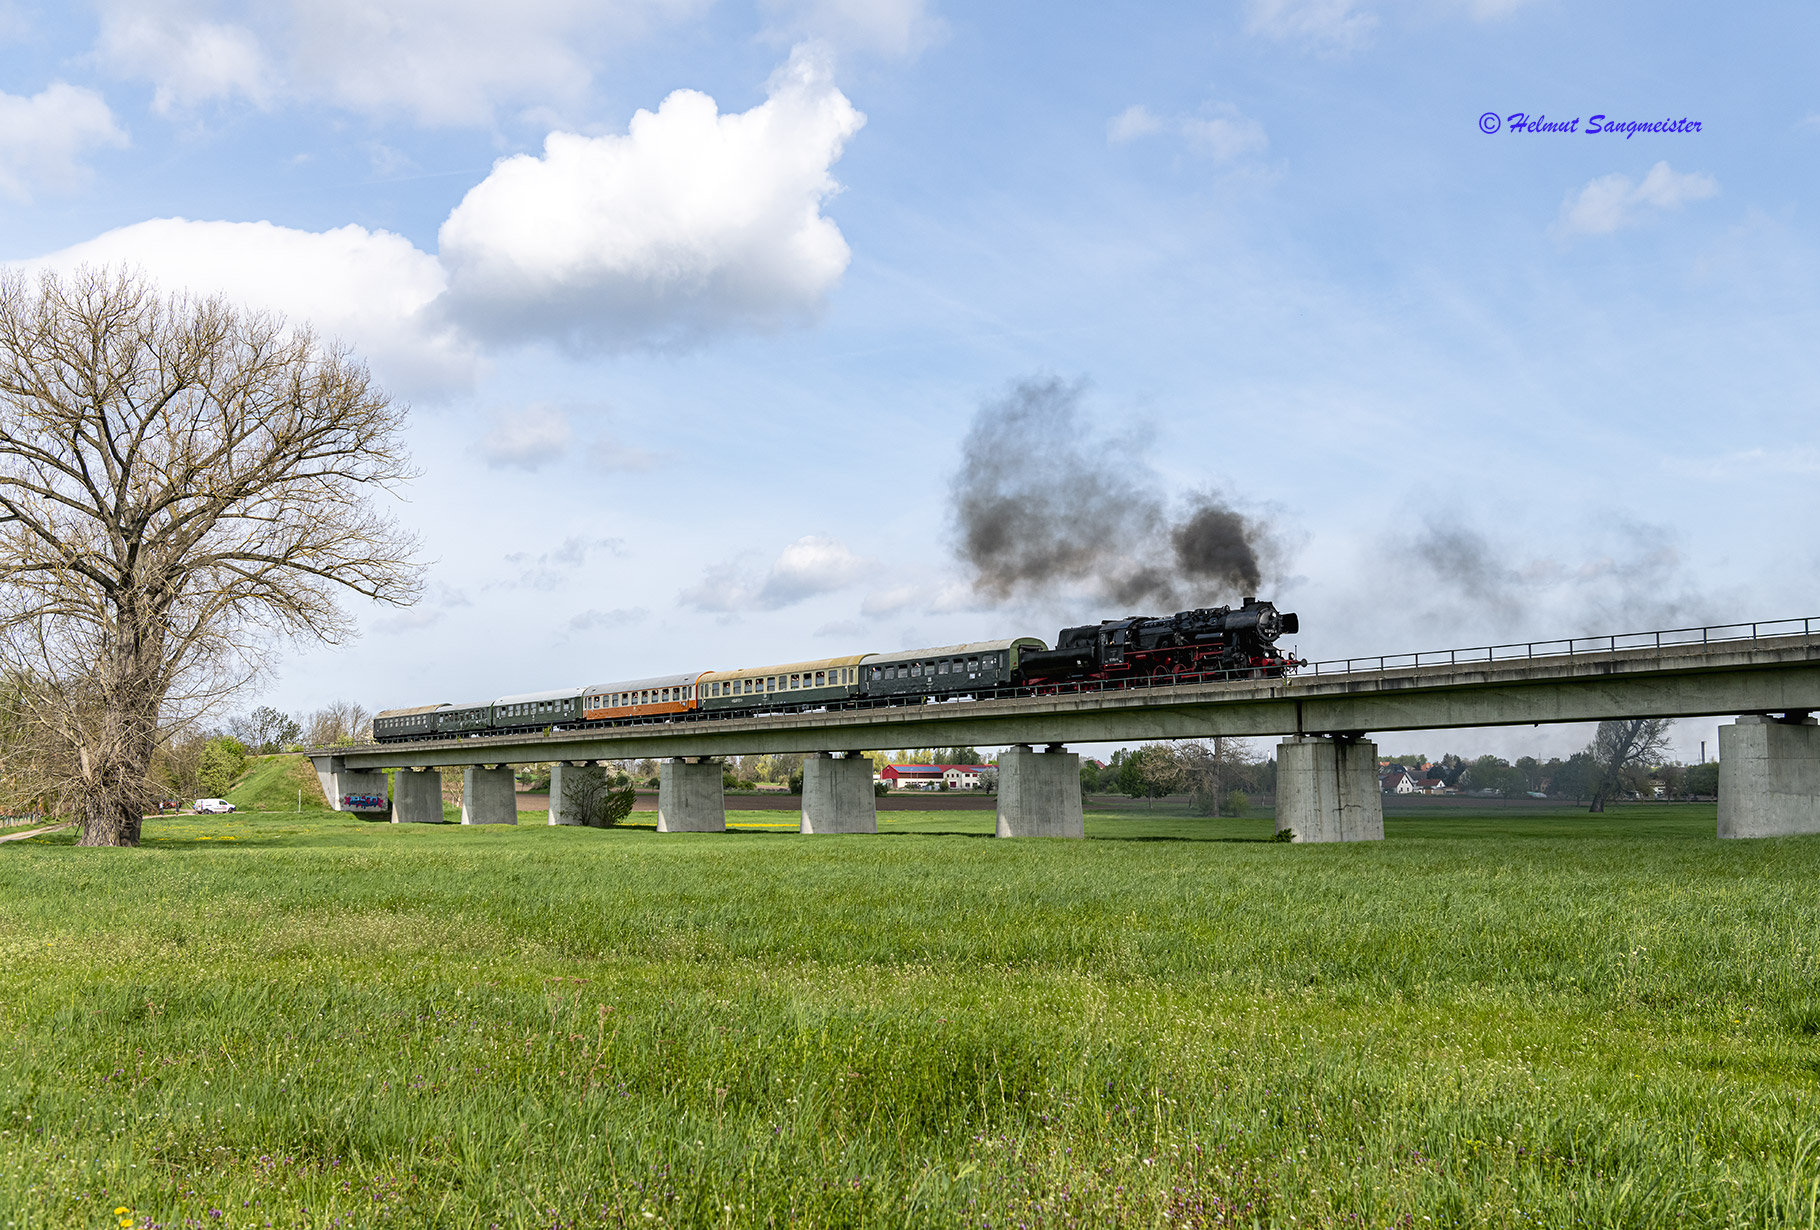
(1191, 646)
(1191, 642)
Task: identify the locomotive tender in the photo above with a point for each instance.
(1214, 642)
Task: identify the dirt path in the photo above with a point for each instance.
(49, 828)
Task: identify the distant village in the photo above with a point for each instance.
(1493, 777)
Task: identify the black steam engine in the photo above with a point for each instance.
(1232, 641)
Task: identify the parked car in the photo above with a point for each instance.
(212, 806)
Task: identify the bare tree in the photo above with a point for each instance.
(181, 484)
(1623, 745)
(266, 730)
(339, 721)
(1208, 768)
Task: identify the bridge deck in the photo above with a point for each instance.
(1770, 674)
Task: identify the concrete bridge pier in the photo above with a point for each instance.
(574, 787)
(838, 795)
(1039, 793)
(488, 795)
(355, 790)
(1327, 789)
(690, 798)
(1769, 776)
(417, 796)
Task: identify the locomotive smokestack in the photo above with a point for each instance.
(1041, 502)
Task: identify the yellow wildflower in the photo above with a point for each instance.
(121, 1211)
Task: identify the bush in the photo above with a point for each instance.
(795, 785)
(613, 807)
(1238, 803)
(223, 761)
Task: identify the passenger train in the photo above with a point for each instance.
(1210, 643)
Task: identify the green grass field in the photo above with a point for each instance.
(1502, 1018)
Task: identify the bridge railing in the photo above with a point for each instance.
(1567, 647)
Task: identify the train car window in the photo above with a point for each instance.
(821, 678)
(796, 680)
(770, 683)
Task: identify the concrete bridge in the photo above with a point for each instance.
(1769, 673)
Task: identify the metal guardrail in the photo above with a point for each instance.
(1569, 647)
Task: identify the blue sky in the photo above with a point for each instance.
(691, 372)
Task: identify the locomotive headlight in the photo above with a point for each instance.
(1269, 625)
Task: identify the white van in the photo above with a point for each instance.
(212, 806)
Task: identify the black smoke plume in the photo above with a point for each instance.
(1043, 502)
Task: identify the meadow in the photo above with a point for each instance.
(1507, 1017)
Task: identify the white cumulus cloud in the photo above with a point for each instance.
(691, 223)
(372, 290)
(808, 567)
(1332, 27)
(43, 138)
(443, 62)
(1614, 201)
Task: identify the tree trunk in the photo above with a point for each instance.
(116, 786)
(107, 822)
